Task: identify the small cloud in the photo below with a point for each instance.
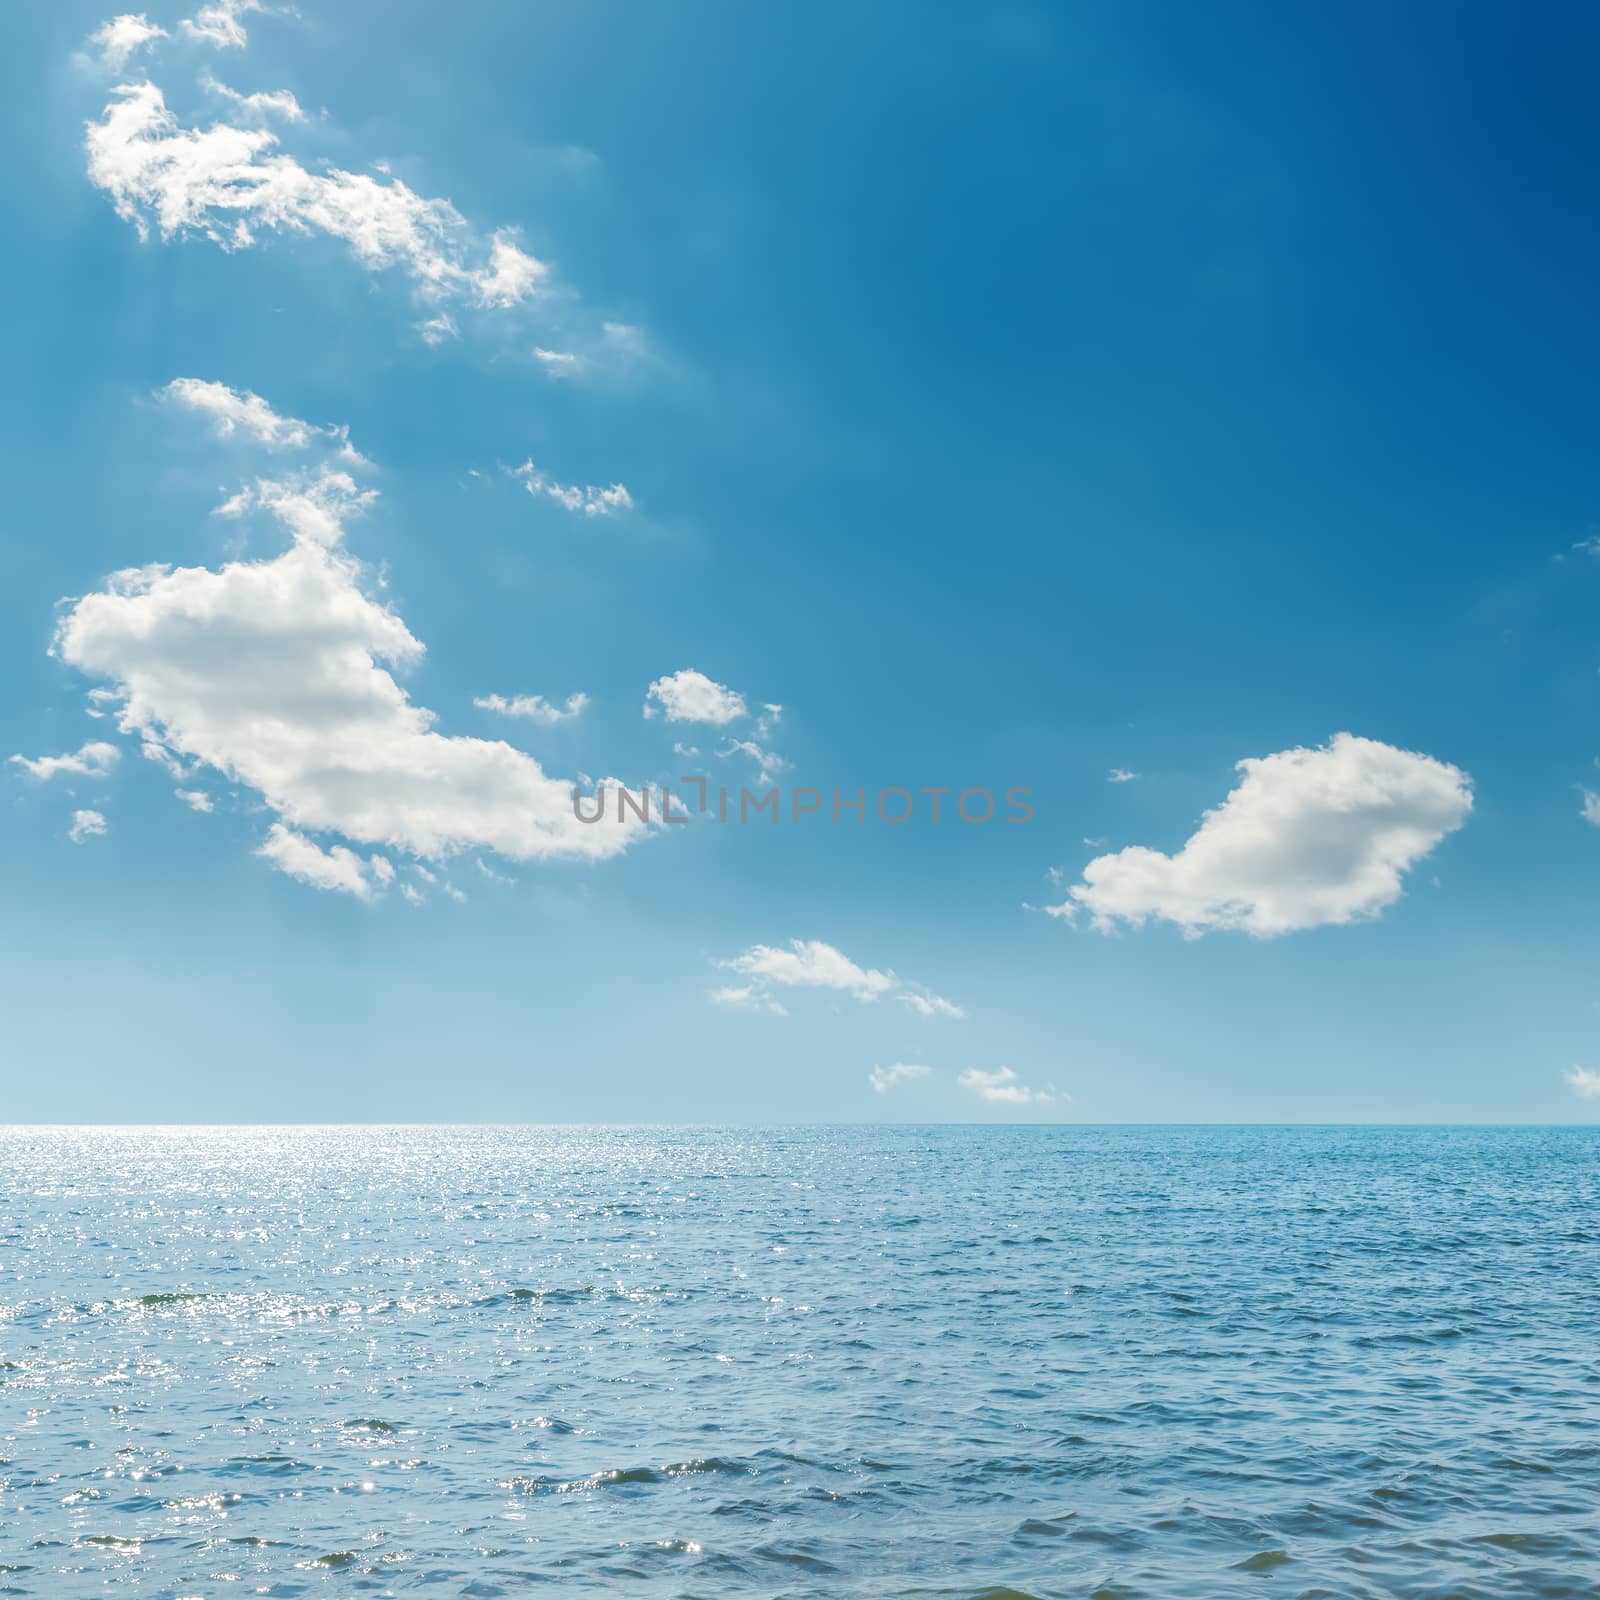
(1590, 811)
(1584, 1082)
(217, 23)
(556, 363)
(1120, 775)
(927, 1004)
(768, 762)
(590, 500)
(92, 760)
(1003, 1087)
(437, 329)
(259, 106)
(534, 707)
(195, 799)
(339, 869)
(883, 1079)
(747, 997)
(690, 696)
(86, 825)
(123, 37)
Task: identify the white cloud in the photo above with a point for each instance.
(235, 410)
(747, 997)
(217, 23)
(557, 363)
(1120, 775)
(275, 674)
(1003, 1087)
(534, 707)
(195, 799)
(690, 696)
(1590, 811)
(313, 508)
(883, 1079)
(224, 180)
(85, 825)
(768, 762)
(591, 500)
(261, 105)
(124, 37)
(1309, 837)
(927, 1004)
(811, 964)
(92, 760)
(437, 329)
(1584, 1082)
(337, 868)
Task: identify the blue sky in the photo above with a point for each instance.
(1013, 395)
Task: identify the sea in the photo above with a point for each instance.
(981, 1363)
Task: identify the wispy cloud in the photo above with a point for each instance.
(1003, 1087)
(224, 181)
(217, 23)
(92, 760)
(589, 499)
(883, 1079)
(123, 37)
(534, 707)
(811, 964)
(748, 997)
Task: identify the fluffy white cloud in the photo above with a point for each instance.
(534, 707)
(122, 37)
(1003, 1087)
(225, 180)
(883, 1079)
(217, 23)
(1584, 1082)
(1590, 810)
(591, 500)
(811, 964)
(85, 825)
(338, 868)
(691, 696)
(1309, 837)
(195, 799)
(92, 760)
(275, 674)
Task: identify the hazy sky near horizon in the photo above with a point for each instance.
(1185, 417)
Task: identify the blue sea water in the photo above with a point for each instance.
(841, 1362)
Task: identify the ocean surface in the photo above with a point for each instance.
(832, 1362)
